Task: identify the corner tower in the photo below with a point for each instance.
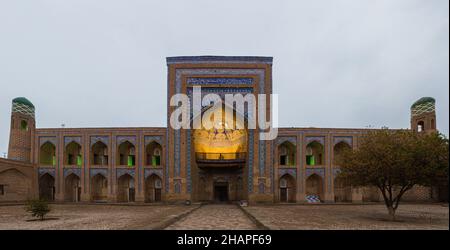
(22, 130)
(423, 115)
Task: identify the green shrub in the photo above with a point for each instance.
(38, 208)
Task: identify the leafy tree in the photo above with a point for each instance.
(38, 208)
(396, 160)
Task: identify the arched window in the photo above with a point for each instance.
(72, 154)
(99, 154)
(24, 125)
(314, 153)
(47, 154)
(338, 149)
(420, 126)
(286, 152)
(153, 152)
(126, 154)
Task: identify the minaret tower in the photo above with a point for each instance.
(423, 115)
(22, 130)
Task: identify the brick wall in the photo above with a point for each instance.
(17, 180)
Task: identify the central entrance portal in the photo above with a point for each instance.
(220, 157)
(221, 192)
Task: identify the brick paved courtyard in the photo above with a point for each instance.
(71, 216)
(215, 217)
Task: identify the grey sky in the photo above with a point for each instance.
(336, 63)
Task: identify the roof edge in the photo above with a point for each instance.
(224, 59)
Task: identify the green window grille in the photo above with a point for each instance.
(54, 160)
(131, 160)
(79, 160)
(310, 160)
(156, 160)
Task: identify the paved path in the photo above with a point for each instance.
(214, 217)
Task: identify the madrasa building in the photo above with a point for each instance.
(163, 164)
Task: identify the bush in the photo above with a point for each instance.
(38, 208)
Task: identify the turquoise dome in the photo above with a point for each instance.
(423, 100)
(23, 100)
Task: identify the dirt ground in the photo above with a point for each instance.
(67, 216)
(84, 216)
(409, 216)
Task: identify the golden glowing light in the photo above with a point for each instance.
(221, 140)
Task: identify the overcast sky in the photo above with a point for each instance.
(336, 63)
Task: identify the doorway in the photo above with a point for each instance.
(72, 188)
(153, 187)
(221, 191)
(47, 187)
(283, 194)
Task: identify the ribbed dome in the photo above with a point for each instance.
(423, 100)
(23, 100)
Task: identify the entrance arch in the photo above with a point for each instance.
(99, 188)
(219, 155)
(287, 188)
(342, 190)
(47, 187)
(72, 188)
(153, 188)
(314, 186)
(125, 188)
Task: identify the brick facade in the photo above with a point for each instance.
(17, 181)
(152, 164)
